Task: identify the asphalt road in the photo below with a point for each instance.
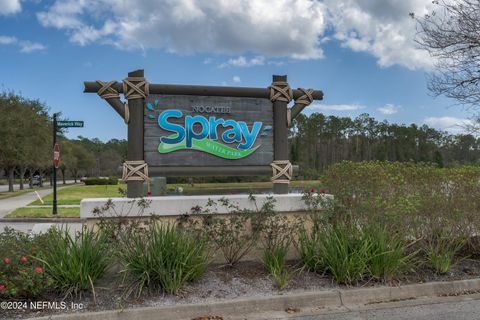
(441, 308)
(4, 188)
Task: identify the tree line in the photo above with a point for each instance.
(26, 146)
(317, 141)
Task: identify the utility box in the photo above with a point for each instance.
(158, 186)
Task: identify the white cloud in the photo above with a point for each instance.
(28, 46)
(334, 107)
(279, 28)
(388, 109)
(10, 7)
(269, 29)
(450, 124)
(381, 28)
(7, 40)
(24, 45)
(244, 62)
(236, 79)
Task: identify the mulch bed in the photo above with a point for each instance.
(247, 279)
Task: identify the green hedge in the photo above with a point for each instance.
(101, 181)
(423, 199)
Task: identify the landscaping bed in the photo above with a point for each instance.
(389, 225)
(219, 283)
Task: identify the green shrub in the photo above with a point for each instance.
(74, 263)
(118, 222)
(277, 233)
(165, 257)
(101, 181)
(234, 234)
(21, 275)
(339, 250)
(311, 251)
(231, 236)
(413, 199)
(322, 208)
(387, 257)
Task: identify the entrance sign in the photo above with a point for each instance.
(184, 130)
(208, 131)
(69, 124)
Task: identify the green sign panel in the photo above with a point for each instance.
(207, 131)
(70, 124)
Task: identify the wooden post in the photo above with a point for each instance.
(135, 137)
(280, 134)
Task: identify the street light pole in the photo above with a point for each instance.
(54, 209)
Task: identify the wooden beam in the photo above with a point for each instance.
(296, 109)
(170, 171)
(172, 89)
(117, 105)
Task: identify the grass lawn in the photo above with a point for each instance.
(6, 194)
(243, 185)
(44, 213)
(73, 195)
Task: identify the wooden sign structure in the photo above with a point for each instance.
(184, 130)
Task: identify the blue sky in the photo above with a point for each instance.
(361, 55)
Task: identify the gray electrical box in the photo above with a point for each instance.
(158, 186)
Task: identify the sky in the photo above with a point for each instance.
(361, 54)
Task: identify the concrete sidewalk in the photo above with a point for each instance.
(10, 204)
(36, 227)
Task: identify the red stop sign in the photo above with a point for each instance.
(56, 155)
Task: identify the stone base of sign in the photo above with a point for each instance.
(168, 209)
(171, 206)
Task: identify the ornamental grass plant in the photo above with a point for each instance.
(75, 262)
(339, 250)
(441, 251)
(165, 257)
(273, 260)
(387, 255)
(277, 233)
(350, 252)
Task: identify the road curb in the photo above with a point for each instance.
(318, 299)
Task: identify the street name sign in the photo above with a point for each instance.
(70, 124)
